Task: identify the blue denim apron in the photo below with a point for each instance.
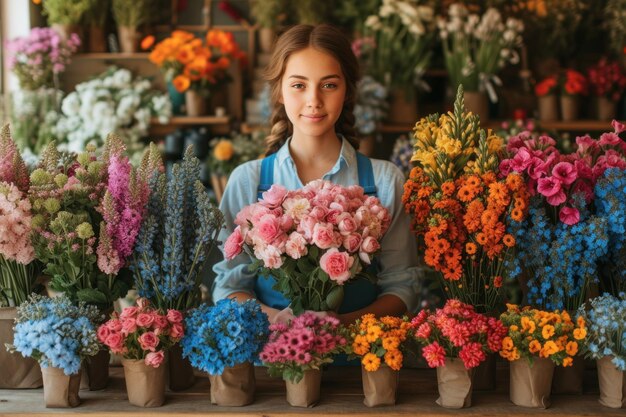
(358, 293)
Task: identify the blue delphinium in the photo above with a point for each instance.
(177, 234)
(371, 105)
(606, 329)
(610, 201)
(559, 260)
(224, 335)
(56, 333)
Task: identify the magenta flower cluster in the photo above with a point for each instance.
(37, 59)
(559, 177)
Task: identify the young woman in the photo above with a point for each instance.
(312, 76)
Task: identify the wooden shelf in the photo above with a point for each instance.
(216, 125)
(112, 56)
(341, 394)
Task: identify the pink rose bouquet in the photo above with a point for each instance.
(142, 332)
(312, 240)
(457, 331)
(305, 344)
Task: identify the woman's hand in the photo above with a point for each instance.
(283, 316)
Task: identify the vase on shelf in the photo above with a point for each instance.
(145, 384)
(129, 38)
(605, 108)
(530, 384)
(196, 103)
(234, 387)
(612, 382)
(176, 98)
(548, 108)
(454, 383)
(380, 386)
(18, 372)
(60, 390)
(97, 39)
(402, 108)
(569, 108)
(306, 392)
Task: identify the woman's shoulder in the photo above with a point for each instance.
(250, 170)
(386, 170)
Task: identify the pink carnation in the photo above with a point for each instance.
(337, 265)
(472, 355)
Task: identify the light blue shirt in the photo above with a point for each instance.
(398, 259)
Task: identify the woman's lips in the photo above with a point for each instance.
(314, 117)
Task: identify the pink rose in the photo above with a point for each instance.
(114, 325)
(148, 341)
(569, 215)
(332, 216)
(618, 127)
(177, 331)
(155, 359)
(268, 228)
(114, 341)
(370, 245)
(565, 172)
(352, 242)
(323, 235)
(145, 320)
(234, 244)
(270, 256)
(319, 212)
(174, 316)
(609, 139)
(160, 322)
(548, 186)
(337, 265)
(129, 312)
(347, 224)
(296, 246)
(274, 196)
(129, 326)
(306, 226)
(103, 333)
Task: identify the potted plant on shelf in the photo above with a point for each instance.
(573, 84)
(269, 15)
(607, 82)
(66, 16)
(130, 15)
(547, 104)
(475, 48)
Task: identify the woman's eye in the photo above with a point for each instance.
(330, 85)
(298, 86)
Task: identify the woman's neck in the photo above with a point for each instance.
(314, 156)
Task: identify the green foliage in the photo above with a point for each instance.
(67, 12)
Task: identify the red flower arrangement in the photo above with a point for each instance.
(573, 83)
(547, 86)
(457, 331)
(606, 79)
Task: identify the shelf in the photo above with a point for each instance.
(217, 125)
(113, 56)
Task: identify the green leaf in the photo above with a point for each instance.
(313, 253)
(335, 298)
(91, 296)
(305, 266)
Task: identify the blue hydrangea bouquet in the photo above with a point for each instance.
(224, 340)
(59, 335)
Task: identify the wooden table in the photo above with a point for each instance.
(342, 394)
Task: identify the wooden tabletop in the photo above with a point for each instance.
(341, 394)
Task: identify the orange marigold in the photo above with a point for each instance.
(470, 248)
(517, 214)
(447, 188)
(441, 245)
(508, 240)
(489, 218)
(473, 181)
(481, 238)
(489, 177)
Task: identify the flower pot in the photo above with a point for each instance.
(176, 98)
(267, 37)
(530, 385)
(95, 371)
(129, 38)
(569, 380)
(485, 374)
(180, 369)
(97, 39)
(218, 183)
(18, 372)
(455, 384)
(402, 110)
(569, 108)
(235, 387)
(367, 144)
(548, 108)
(305, 393)
(196, 103)
(60, 390)
(606, 108)
(380, 387)
(477, 103)
(612, 383)
(145, 385)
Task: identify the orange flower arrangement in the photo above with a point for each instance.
(459, 209)
(378, 341)
(190, 64)
(541, 334)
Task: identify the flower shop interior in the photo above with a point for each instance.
(123, 120)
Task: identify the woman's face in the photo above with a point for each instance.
(313, 90)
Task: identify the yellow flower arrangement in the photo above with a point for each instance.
(541, 334)
(190, 63)
(378, 341)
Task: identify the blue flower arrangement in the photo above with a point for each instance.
(606, 324)
(224, 335)
(177, 235)
(560, 260)
(55, 332)
(401, 155)
(610, 192)
(371, 105)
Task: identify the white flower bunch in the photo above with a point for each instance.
(477, 47)
(113, 102)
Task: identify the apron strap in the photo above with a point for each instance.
(366, 174)
(267, 175)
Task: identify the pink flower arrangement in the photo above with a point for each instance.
(40, 57)
(559, 178)
(306, 343)
(122, 208)
(457, 331)
(337, 229)
(15, 225)
(142, 332)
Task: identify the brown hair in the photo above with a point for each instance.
(324, 38)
